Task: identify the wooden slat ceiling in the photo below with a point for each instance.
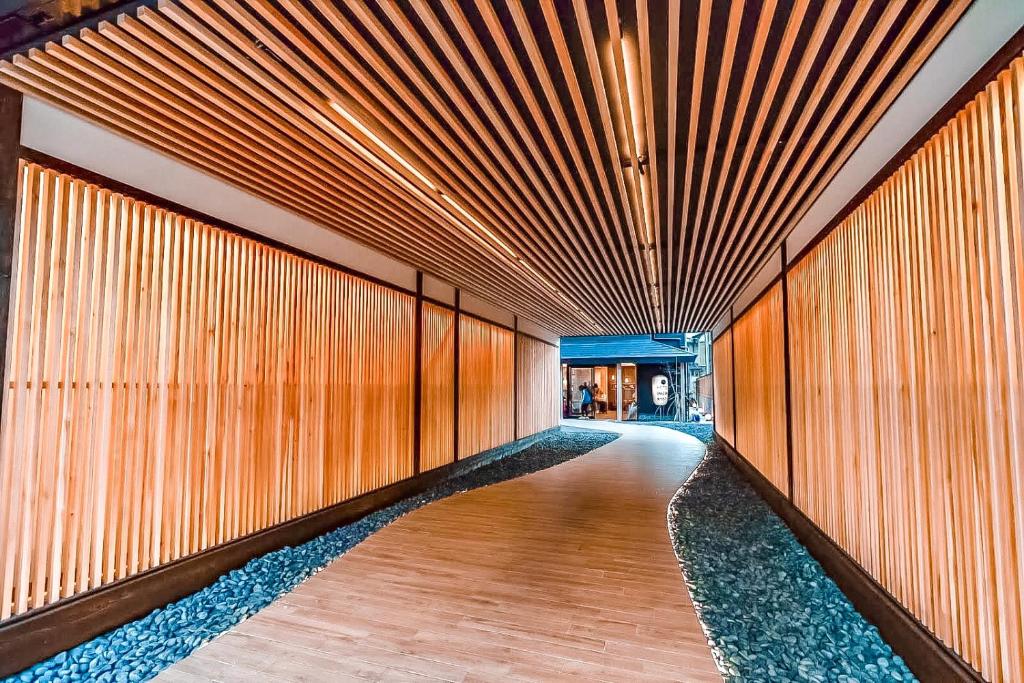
(601, 167)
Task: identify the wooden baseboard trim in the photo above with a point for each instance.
(37, 635)
(928, 657)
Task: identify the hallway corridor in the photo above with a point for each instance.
(565, 573)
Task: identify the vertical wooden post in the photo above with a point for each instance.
(417, 401)
(568, 389)
(786, 372)
(10, 143)
(515, 378)
(732, 351)
(618, 392)
(455, 389)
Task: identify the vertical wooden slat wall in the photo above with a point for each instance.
(486, 394)
(438, 407)
(907, 381)
(721, 358)
(760, 385)
(172, 386)
(539, 369)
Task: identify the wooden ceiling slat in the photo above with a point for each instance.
(688, 252)
(712, 237)
(673, 17)
(632, 268)
(569, 243)
(811, 51)
(799, 201)
(541, 256)
(587, 237)
(855, 122)
(642, 195)
(562, 52)
(591, 203)
(297, 94)
(620, 165)
(781, 59)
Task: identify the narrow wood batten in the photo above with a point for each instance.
(486, 381)
(537, 373)
(219, 385)
(437, 412)
(723, 386)
(759, 387)
(905, 369)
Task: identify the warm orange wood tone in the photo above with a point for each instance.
(760, 385)
(538, 378)
(522, 151)
(172, 386)
(563, 574)
(437, 412)
(907, 333)
(486, 374)
(722, 363)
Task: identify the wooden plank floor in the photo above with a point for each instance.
(567, 573)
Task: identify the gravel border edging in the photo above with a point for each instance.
(768, 609)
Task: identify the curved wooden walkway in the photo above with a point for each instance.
(567, 573)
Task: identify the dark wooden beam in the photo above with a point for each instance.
(417, 391)
(456, 335)
(515, 377)
(787, 375)
(10, 145)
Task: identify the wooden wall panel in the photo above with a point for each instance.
(706, 393)
(172, 386)
(908, 382)
(437, 435)
(539, 379)
(721, 360)
(486, 393)
(760, 385)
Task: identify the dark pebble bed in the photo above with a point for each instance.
(141, 649)
(769, 610)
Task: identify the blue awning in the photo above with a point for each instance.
(625, 348)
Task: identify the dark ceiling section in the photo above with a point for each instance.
(24, 22)
(600, 166)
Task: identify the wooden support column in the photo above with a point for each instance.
(10, 144)
(417, 400)
(515, 377)
(732, 352)
(618, 392)
(786, 368)
(455, 388)
(567, 410)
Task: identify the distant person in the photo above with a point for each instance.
(586, 400)
(600, 399)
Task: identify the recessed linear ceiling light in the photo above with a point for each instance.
(400, 179)
(509, 253)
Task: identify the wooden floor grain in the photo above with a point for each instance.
(564, 574)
